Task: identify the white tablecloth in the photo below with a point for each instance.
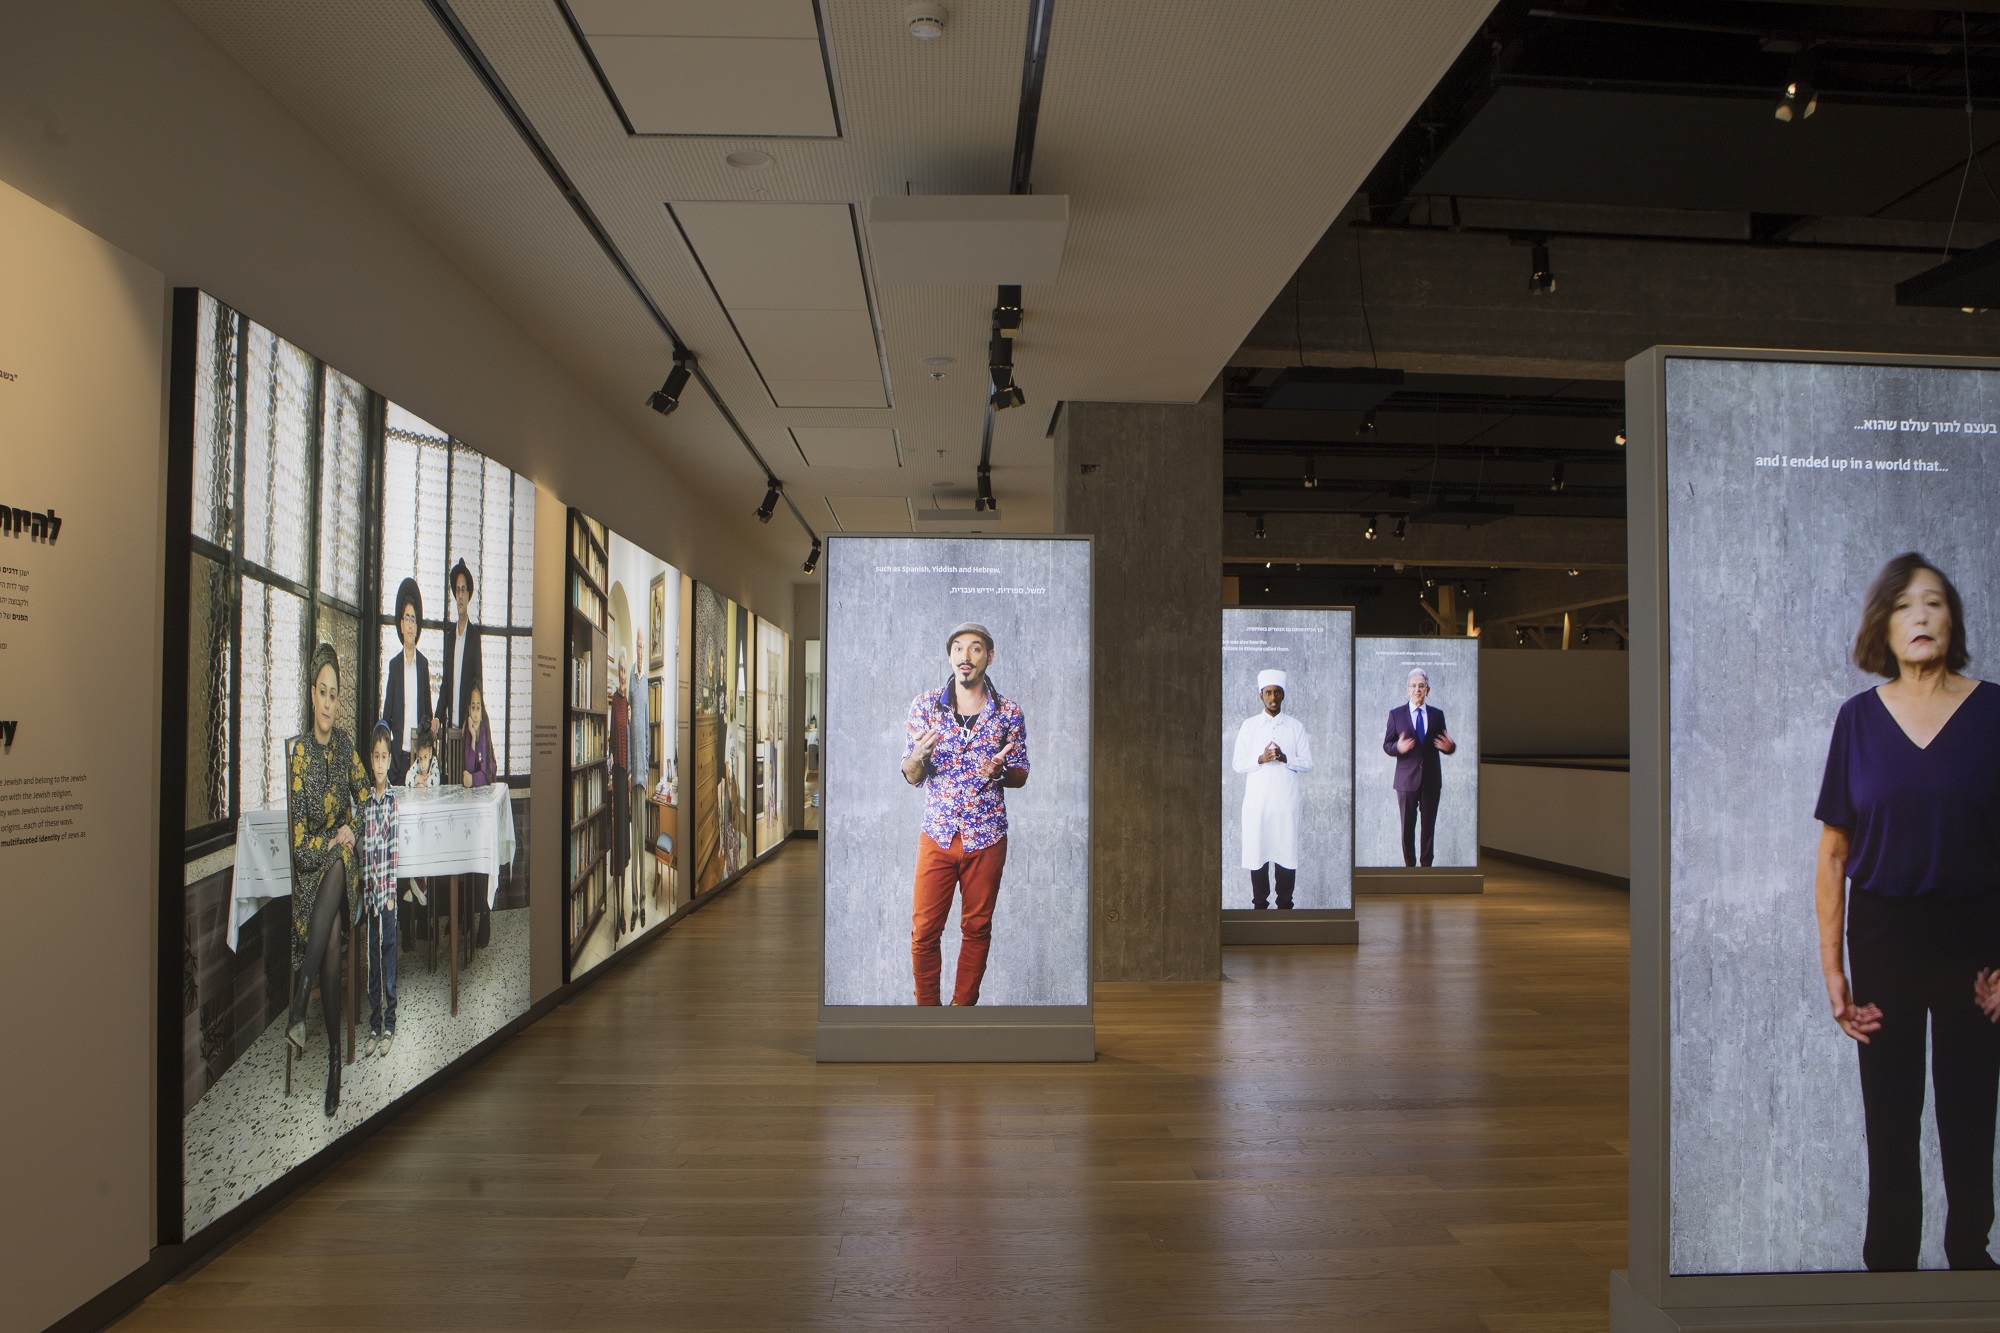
(440, 831)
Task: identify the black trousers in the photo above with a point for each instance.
(1260, 886)
(1917, 958)
(1413, 804)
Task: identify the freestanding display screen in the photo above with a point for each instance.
(1287, 780)
(723, 833)
(1416, 752)
(957, 771)
(1802, 782)
(361, 596)
(623, 802)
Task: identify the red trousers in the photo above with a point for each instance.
(976, 875)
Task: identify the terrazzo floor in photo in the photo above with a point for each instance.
(245, 1132)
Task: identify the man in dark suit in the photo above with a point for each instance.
(1415, 737)
(406, 685)
(462, 670)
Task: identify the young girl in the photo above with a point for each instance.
(479, 765)
(378, 893)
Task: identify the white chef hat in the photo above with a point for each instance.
(1266, 679)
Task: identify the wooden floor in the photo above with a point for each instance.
(1424, 1133)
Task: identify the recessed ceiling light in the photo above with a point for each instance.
(749, 159)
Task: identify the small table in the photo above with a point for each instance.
(442, 831)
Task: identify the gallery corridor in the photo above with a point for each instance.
(1426, 1133)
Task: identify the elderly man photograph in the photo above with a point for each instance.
(965, 742)
(1415, 737)
(1272, 750)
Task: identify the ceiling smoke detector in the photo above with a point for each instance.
(937, 365)
(926, 21)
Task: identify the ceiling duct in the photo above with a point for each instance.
(1330, 388)
(1971, 281)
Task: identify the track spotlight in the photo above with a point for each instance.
(1367, 426)
(1541, 276)
(1000, 364)
(1402, 526)
(1007, 395)
(1556, 479)
(668, 396)
(770, 505)
(1259, 533)
(1370, 533)
(986, 502)
(1574, 572)
(1584, 637)
(1619, 439)
(1312, 476)
(1007, 315)
(812, 556)
(1801, 96)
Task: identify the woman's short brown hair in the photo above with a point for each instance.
(1872, 652)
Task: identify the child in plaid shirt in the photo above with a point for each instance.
(378, 894)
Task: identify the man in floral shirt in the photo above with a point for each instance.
(965, 743)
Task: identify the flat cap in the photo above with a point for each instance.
(969, 628)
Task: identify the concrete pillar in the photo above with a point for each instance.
(1146, 480)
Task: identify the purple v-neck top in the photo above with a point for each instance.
(1917, 820)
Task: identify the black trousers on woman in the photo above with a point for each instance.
(1917, 958)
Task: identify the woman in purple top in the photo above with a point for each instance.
(1909, 861)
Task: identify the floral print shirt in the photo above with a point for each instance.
(378, 853)
(957, 800)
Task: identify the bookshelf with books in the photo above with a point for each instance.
(587, 811)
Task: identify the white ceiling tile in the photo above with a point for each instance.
(847, 446)
(696, 18)
(719, 85)
(871, 513)
(828, 393)
(777, 256)
(810, 344)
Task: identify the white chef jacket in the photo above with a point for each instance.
(1271, 791)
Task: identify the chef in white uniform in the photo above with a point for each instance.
(1271, 752)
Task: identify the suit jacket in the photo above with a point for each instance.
(456, 694)
(1418, 770)
(392, 702)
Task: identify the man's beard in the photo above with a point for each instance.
(974, 682)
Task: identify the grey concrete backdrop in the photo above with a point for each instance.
(1381, 671)
(1767, 567)
(1315, 650)
(1146, 480)
(890, 603)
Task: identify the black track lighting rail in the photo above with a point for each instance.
(496, 87)
(1002, 391)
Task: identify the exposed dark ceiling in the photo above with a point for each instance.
(1649, 120)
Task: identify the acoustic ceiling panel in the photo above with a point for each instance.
(748, 67)
(870, 513)
(790, 277)
(847, 446)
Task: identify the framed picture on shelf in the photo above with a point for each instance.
(656, 622)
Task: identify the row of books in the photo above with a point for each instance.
(587, 554)
(588, 600)
(586, 741)
(580, 678)
(584, 845)
(586, 792)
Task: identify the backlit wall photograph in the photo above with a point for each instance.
(1416, 752)
(359, 739)
(1833, 814)
(956, 767)
(623, 800)
(723, 682)
(772, 763)
(1287, 746)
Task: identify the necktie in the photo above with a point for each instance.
(1418, 714)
